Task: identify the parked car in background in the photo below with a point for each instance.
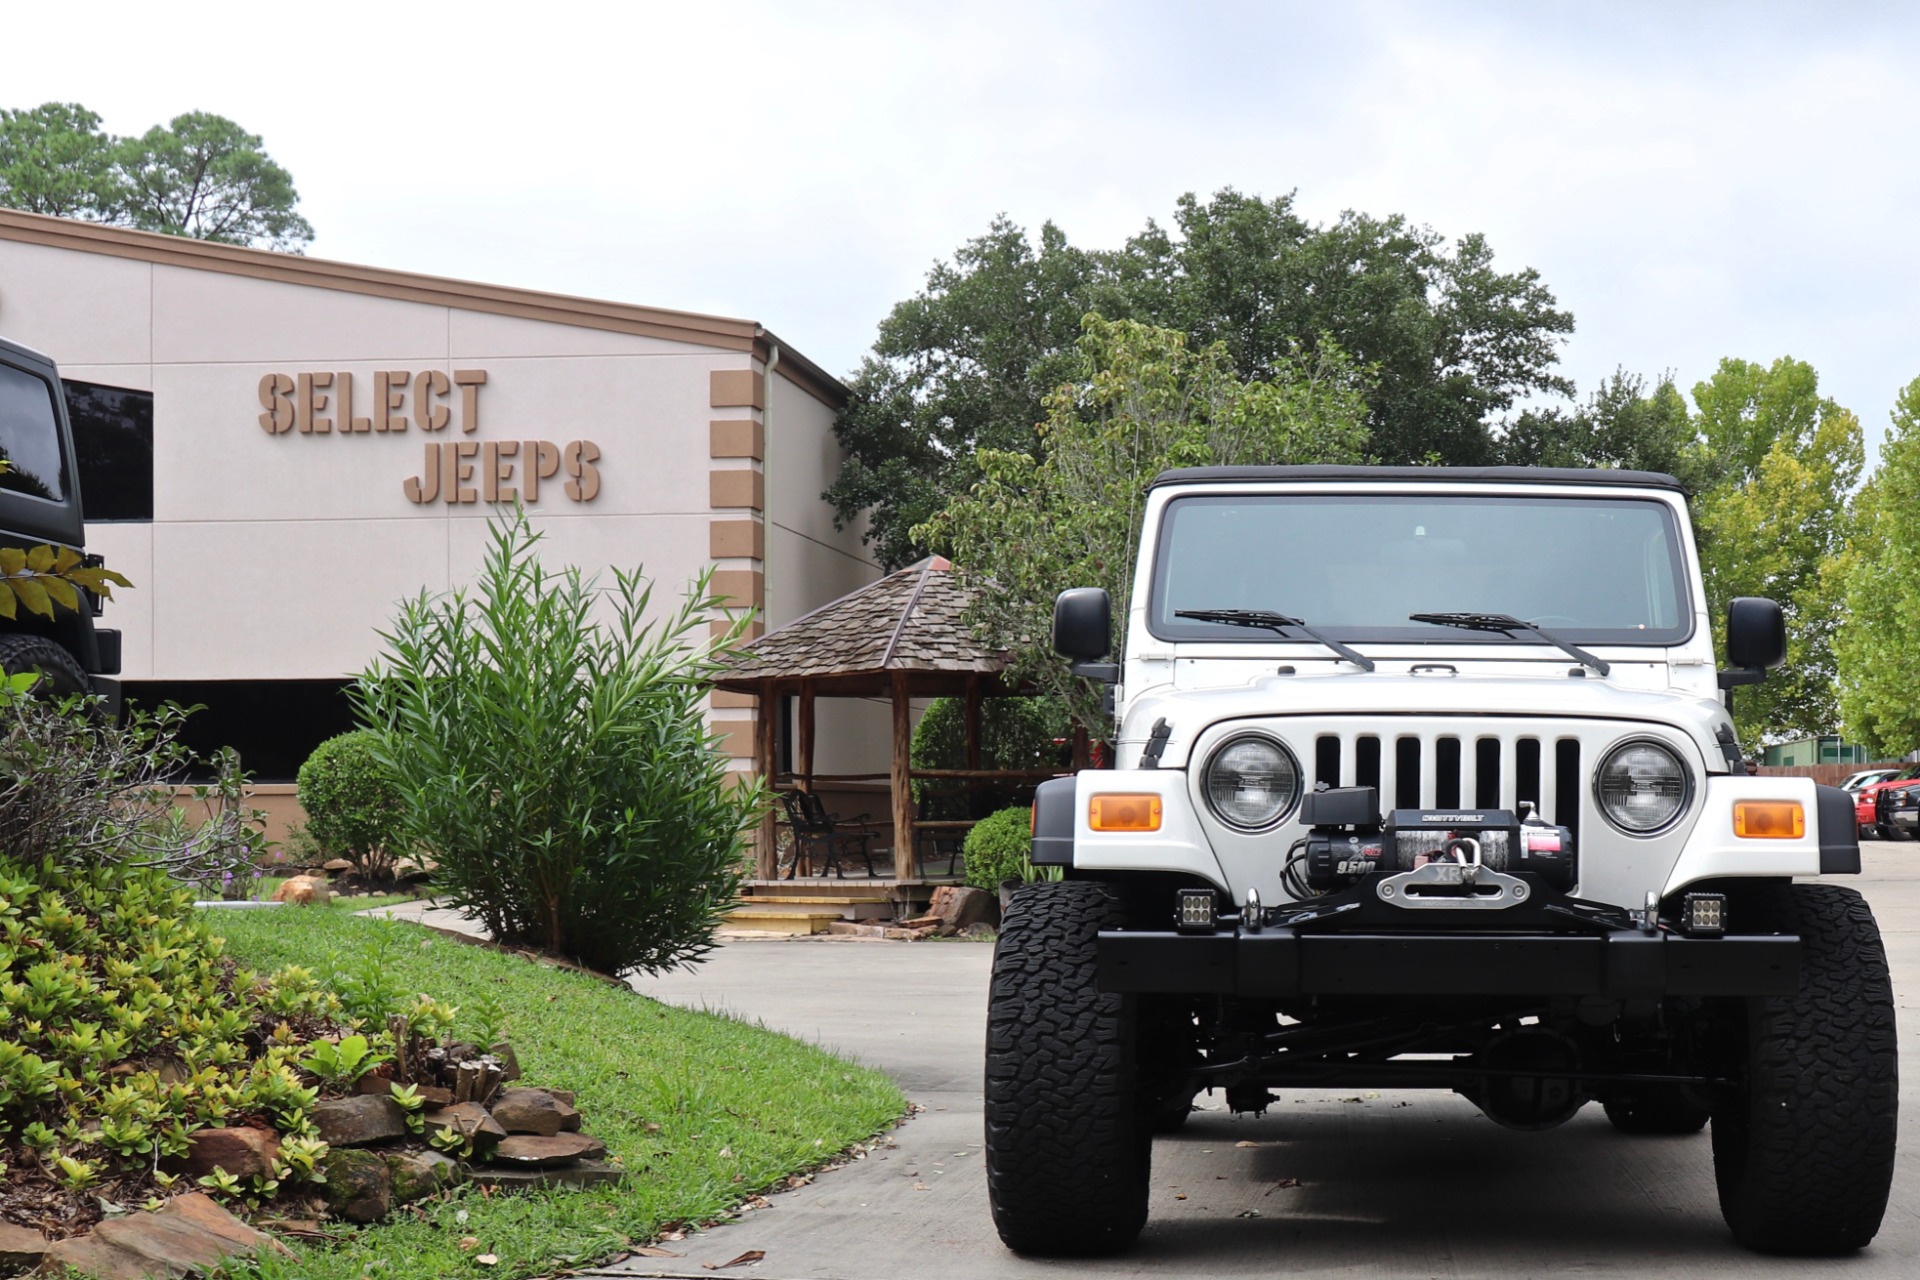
(1867, 799)
(1866, 777)
(1900, 809)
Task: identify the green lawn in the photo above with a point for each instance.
(738, 1108)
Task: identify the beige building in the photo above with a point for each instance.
(276, 449)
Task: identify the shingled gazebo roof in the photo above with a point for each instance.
(909, 622)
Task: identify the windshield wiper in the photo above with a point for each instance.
(1501, 622)
(1274, 622)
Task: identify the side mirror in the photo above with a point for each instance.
(1756, 640)
(1083, 631)
(1756, 633)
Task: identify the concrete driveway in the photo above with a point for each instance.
(1413, 1183)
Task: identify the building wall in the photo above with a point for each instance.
(277, 553)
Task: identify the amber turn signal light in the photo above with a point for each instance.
(1769, 819)
(1135, 812)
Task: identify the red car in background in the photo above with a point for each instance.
(1868, 808)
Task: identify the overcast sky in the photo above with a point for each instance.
(1692, 181)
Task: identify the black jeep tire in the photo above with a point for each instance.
(1068, 1139)
(1656, 1109)
(60, 673)
(1803, 1149)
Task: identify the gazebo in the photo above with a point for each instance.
(902, 637)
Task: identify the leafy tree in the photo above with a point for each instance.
(205, 177)
(1144, 400)
(1876, 647)
(1449, 341)
(1775, 523)
(55, 159)
(559, 770)
(201, 175)
(1623, 425)
(966, 364)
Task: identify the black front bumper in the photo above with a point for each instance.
(1282, 962)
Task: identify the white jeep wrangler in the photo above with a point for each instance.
(1425, 780)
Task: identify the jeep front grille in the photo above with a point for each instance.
(1447, 771)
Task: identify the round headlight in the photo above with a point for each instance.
(1252, 782)
(1642, 787)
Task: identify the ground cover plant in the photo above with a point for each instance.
(551, 745)
(703, 1110)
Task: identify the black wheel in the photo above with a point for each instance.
(1656, 1108)
(1803, 1148)
(60, 673)
(1068, 1138)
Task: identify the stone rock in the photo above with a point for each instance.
(980, 931)
(358, 1120)
(303, 891)
(583, 1173)
(960, 905)
(542, 1151)
(244, 1153)
(377, 1085)
(421, 1173)
(433, 1095)
(470, 1119)
(508, 1059)
(533, 1111)
(337, 865)
(21, 1248)
(189, 1234)
(359, 1184)
(411, 869)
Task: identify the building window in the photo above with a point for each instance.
(273, 724)
(113, 445)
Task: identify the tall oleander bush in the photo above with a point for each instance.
(549, 741)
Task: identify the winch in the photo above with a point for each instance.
(1347, 840)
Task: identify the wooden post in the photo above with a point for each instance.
(973, 742)
(805, 762)
(763, 752)
(902, 783)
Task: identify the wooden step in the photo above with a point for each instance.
(793, 921)
(815, 899)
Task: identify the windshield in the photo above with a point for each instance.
(1589, 569)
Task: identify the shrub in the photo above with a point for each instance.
(559, 768)
(77, 791)
(353, 808)
(1000, 848)
(1015, 733)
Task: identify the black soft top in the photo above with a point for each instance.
(1478, 475)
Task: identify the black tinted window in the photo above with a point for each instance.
(30, 437)
(1598, 569)
(113, 448)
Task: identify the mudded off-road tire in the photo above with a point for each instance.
(1656, 1109)
(60, 673)
(1803, 1150)
(1068, 1137)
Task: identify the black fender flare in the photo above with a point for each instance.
(1053, 810)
